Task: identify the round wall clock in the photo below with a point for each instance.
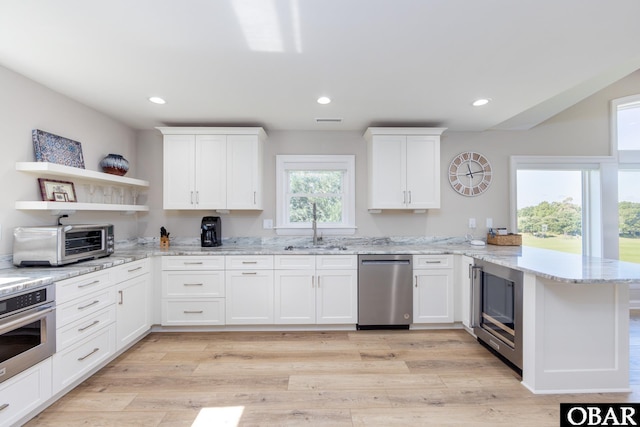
(470, 173)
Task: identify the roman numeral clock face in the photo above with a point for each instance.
(470, 173)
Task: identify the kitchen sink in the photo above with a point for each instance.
(316, 248)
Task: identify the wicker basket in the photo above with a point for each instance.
(505, 239)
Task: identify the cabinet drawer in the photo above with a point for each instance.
(432, 261)
(79, 308)
(334, 262)
(73, 363)
(193, 283)
(131, 270)
(249, 262)
(25, 392)
(81, 328)
(215, 262)
(294, 262)
(193, 312)
(69, 289)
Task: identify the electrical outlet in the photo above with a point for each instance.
(472, 223)
(267, 224)
(489, 222)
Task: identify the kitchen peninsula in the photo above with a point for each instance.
(575, 309)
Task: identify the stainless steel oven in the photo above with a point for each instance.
(497, 310)
(27, 329)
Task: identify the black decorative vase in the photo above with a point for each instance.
(115, 164)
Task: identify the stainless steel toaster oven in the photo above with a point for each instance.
(61, 244)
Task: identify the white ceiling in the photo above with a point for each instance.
(264, 62)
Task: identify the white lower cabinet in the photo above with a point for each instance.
(193, 290)
(313, 289)
(24, 393)
(433, 289)
(85, 327)
(249, 290)
(133, 310)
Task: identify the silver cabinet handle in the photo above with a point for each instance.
(433, 262)
(134, 269)
(409, 197)
(247, 273)
(121, 298)
(193, 311)
(416, 281)
(249, 262)
(318, 280)
(4, 406)
(193, 263)
(95, 322)
(192, 197)
(89, 305)
(89, 284)
(95, 350)
(197, 197)
(193, 284)
(254, 197)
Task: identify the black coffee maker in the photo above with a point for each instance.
(211, 231)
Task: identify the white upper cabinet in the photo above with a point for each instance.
(403, 168)
(213, 168)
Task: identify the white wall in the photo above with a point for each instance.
(581, 130)
(26, 105)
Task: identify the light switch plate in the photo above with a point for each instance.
(472, 223)
(489, 222)
(267, 224)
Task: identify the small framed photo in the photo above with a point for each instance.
(57, 191)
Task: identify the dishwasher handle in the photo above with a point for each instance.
(386, 262)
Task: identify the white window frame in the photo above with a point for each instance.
(623, 156)
(599, 203)
(345, 163)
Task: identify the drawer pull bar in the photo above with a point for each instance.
(134, 269)
(95, 350)
(89, 305)
(89, 284)
(433, 262)
(249, 262)
(246, 273)
(193, 284)
(95, 322)
(121, 298)
(193, 311)
(4, 406)
(193, 263)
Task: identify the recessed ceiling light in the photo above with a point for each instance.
(157, 100)
(323, 100)
(480, 102)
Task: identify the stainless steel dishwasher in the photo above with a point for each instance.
(385, 292)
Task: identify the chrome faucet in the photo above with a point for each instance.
(314, 224)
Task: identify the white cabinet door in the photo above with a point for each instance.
(24, 393)
(423, 172)
(249, 297)
(433, 296)
(387, 172)
(133, 313)
(179, 171)
(337, 296)
(295, 296)
(210, 172)
(244, 173)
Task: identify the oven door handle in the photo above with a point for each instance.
(27, 317)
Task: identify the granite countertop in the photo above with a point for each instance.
(553, 265)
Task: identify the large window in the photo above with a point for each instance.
(558, 202)
(626, 144)
(326, 182)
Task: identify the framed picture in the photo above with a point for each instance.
(57, 191)
(57, 149)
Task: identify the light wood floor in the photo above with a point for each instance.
(363, 378)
